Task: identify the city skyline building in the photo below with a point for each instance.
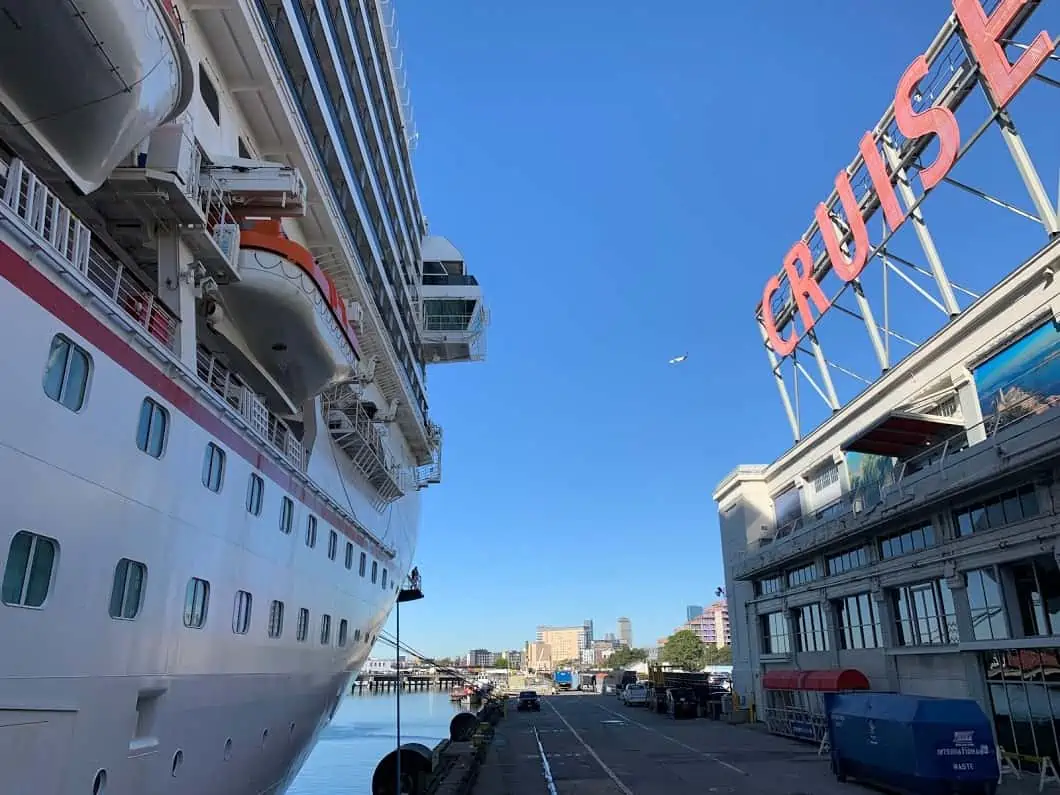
(693, 611)
(625, 631)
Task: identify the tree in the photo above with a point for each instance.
(718, 655)
(684, 650)
(501, 662)
(624, 656)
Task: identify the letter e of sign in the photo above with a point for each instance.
(983, 32)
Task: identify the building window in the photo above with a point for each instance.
(925, 615)
(802, 575)
(859, 625)
(302, 631)
(209, 94)
(349, 555)
(826, 478)
(196, 603)
(213, 467)
(848, 561)
(127, 592)
(767, 586)
(384, 579)
(66, 374)
(987, 604)
(357, 635)
(255, 494)
(241, 614)
(286, 515)
(311, 531)
(775, 639)
(364, 563)
(152, 430)
(375, 570)
(1037, 586)
(276, 619)
(810, 632)
(1013, 506)
(325, 629)
(333, 544)
(29, 569)
(344, 631)
(907, 541)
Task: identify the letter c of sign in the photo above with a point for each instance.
(782, 346)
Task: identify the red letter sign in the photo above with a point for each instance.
(847, 270)
(779, 344)
(937, 120)
(1004, 79)
(803, 284)
(892, 210)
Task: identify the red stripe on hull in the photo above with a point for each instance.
(36, 286)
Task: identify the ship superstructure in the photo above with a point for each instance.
(222, 297)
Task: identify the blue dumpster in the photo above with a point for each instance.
(915, 744)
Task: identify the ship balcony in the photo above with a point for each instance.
(454, 319)
(431, 473)
(352, 423)
(115, 71)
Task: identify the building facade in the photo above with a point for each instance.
(538, 656)
(625, 632)
(565, 643)
(516, 659)
(711, 625)
(479, 658)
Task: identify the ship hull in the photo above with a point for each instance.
(156, 705)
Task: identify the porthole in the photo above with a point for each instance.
(99, 783)
(264, 737)
(178, 760)
(228, 749)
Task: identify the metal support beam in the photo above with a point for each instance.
(778, 377)
(1028, 173)
(829, 395)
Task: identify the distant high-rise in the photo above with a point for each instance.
(693, 611)
(587, 643)
(625, 632)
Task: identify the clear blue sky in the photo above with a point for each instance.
(623, 178)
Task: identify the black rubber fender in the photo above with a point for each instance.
(463, 726)
(417, 764)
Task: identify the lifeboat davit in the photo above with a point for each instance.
(290, 314)
(91, 79)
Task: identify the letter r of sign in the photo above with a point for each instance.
(983, 33)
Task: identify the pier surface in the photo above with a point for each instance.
(593, 745)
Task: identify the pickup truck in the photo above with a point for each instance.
(635, 695)
(528, 701)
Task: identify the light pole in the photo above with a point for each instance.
(410, 593)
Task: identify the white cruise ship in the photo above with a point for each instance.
(220, 297)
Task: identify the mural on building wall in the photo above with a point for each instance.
(1022, 379)
(870, 475)
(788, 509)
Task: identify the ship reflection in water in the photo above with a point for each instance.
(363, 732)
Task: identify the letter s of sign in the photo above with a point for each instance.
(982, 32)
(846, 269)
(937, 120)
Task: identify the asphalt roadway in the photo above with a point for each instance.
(593, 745)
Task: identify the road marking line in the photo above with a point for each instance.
(544, 764)
(710, 756)
(610, 773)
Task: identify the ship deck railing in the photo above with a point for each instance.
(231, 388)
(40, 212)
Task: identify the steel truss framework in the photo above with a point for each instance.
(953, 75)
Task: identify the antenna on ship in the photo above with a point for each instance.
(410, 592)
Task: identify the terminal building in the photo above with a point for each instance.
(913, 537)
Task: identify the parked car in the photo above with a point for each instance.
(528, 701)
(681, 702)
(635, 695)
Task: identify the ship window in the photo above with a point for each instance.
(364, 562)
(66, 374)
(29, 569)
(196, 603)
(209, 94)
(357, 635)
(384, 579)
(127, 593)
(241, 147)
(302, 631)
(325, 629)
(241, 614)
(333, 544)
(151, 432)
(375, 571)
(344, 631)
(287, 515)
(213, 467)
(349, 555)
(311, 531)
(255, 494)
(276, 619)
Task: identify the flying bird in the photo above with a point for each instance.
(679, 359)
